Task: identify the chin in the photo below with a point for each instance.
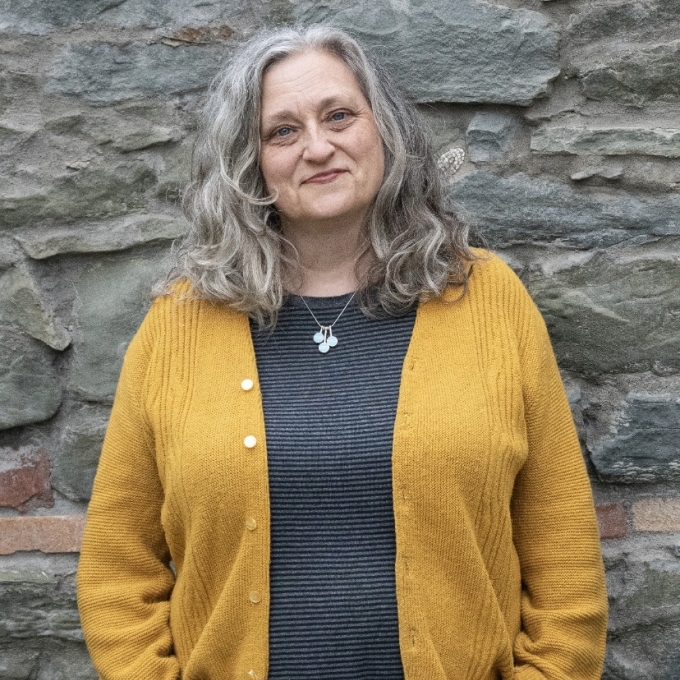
(333, 212)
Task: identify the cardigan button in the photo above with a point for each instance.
(251, 524)
(247, 384)
(254, 596)
(250, 441)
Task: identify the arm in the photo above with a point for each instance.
(564, 599)
(124, 581)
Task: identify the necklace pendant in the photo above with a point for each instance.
(324, 337)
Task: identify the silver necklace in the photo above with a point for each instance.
(324, 337)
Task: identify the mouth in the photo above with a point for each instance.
(325, 176)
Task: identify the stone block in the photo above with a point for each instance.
(17, 663)
(462, 51)
(126, 128)
(467, 51)
(644, 590)
(67, 662)
(611, 518)
(644, 653)
(644, 446)
(10, 252)
(489, 135)
(49, 534)
(75, 463)
(23, 303)
(100, 237)
(30, 387)
(36, 16)
(142, 136)
(522, 209)
(112, 296)
(38, 604)
(25, 478)
(611, 141)
(600, 318)
(644, 75)
(99, 189)
(107, 74)
(12, 137)
(657, 514)
(45, 658)
(609, 22)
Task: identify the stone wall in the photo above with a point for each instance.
(568, 113)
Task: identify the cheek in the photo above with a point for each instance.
(374, 158)
(275, 168)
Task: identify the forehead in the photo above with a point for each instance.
(305, 79)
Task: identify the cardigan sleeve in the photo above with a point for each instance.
(124, 578)
(564, 599)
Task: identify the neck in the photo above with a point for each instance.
(331, 259)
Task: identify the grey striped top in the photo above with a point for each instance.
(329, 422)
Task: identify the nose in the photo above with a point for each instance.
(318, 148)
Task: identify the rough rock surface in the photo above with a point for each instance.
(112, 235)
(607, 141)
(25, 479)
(75, 463)
(36, 16)
(97, 190)
(637, 77)
(646, 444)
(30, 386)
(462, 51)
(22, 303)
(600, 20)
(106, 74)
(38, 604)
(489, 135)
(520, 209)
(591, 306)
(644, 599)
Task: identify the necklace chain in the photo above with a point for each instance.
(324, 337)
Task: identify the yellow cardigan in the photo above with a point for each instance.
(498, 567)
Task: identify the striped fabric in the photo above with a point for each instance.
(329, 423)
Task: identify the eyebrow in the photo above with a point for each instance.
(287, 114)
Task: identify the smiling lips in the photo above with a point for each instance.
(324, 177)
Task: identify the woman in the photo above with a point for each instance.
(340, 447)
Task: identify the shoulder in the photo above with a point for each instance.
(496, 295)
(490, 269)
(181, 314)
(180, 303)
(491, 278)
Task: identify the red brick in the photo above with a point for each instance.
(611, 518)
(657, 514)
(25, 479)
(49, 534)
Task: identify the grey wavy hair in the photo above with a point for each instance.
(235, 252)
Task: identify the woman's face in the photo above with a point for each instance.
(321, 153)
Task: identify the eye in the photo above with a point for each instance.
(283, 132)
(338, 116)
